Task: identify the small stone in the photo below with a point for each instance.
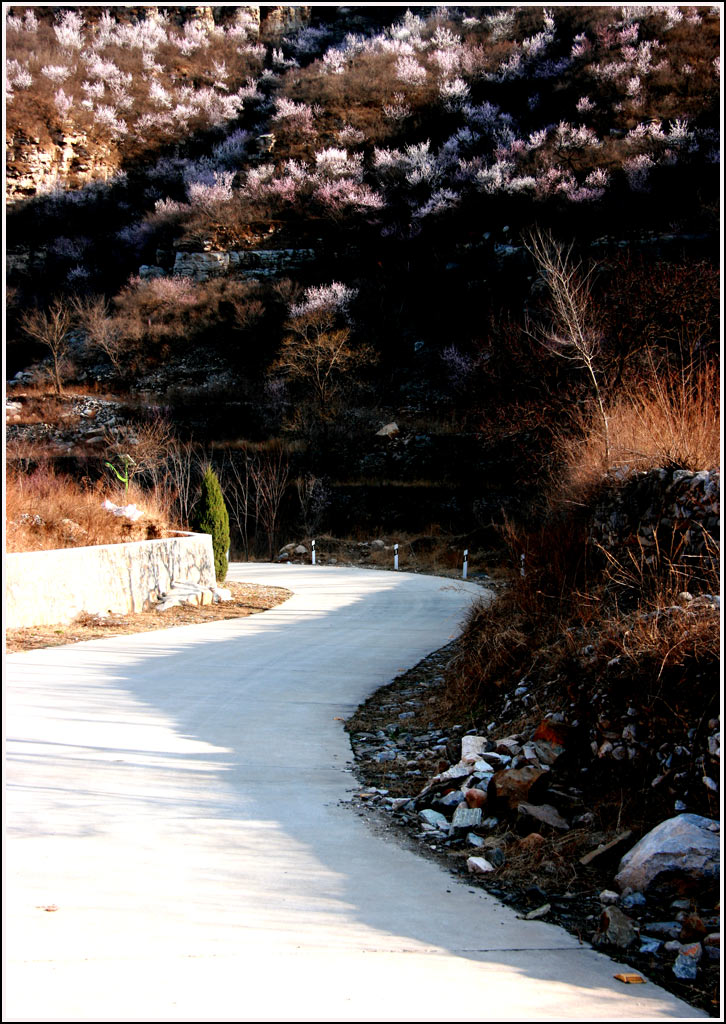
(681, 905)
(648, 945)
(510, 788)
(474, 840)
(607, 897)
(686, 965)
(533, 817)
(434, 818)
(633, 899)
(400, 803)
(692, 929)
(496, 856)
(616, 929)
(478, 866)
(449, 801)
(508, 746)
(531, 842)
(472, 747)
(475, 798)
(663, 929)
(493, 760)
(465, 818)
(542, 911)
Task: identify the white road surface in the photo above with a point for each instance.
(181, 846)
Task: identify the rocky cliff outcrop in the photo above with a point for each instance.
(278, 21)
(200, 266)
(67, 158)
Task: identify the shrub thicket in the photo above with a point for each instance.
(213, 518)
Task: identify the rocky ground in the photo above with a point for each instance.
(488, 801)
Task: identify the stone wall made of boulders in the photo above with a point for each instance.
(671, 513)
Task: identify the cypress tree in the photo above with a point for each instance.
(213, 519)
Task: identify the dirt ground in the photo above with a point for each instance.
(247, 599)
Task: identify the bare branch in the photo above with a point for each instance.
(51, 329)
(571, 333)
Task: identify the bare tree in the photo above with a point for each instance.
(318, 354)
(572, 330)
(238, 485)
(184, 467)
(269, 472)
(140, 450)
(51, 329)
(314, 498)
(92, 314)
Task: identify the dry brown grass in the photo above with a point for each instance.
(431, 551)
(46, 510)
(675, 620)
(665, 420)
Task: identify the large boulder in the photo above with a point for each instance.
(680, 854)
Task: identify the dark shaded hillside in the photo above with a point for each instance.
(210, 196)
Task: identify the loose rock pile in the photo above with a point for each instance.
(182, 592)
(501, 806)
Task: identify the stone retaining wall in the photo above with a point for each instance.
(671, 513)
(48, 587)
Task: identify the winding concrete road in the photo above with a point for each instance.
(180, 844)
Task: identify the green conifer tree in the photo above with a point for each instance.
(213, 518)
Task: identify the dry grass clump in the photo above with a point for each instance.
(676, 619)
(430, 551)
(47, 510)
(550, 862)
(663, 420)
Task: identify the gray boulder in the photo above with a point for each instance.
(681, 854)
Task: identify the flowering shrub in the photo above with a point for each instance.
(121, 77)
(329, 298)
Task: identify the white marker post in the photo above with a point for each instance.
(521, 570)
(395, 556)
(313, 552)
(465, 568)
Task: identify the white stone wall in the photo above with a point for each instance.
(48, 587)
